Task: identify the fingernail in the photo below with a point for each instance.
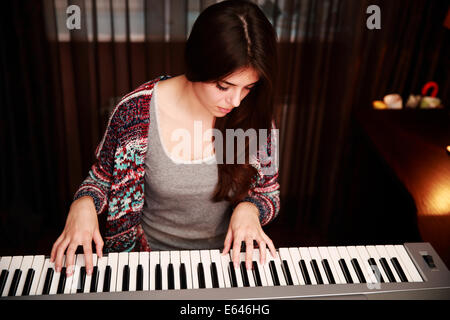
(89, 272)
(58, 269)
(69, 271)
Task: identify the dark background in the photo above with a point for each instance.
(340, 180)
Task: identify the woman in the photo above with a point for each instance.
(161, 199)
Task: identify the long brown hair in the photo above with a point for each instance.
(225, 37)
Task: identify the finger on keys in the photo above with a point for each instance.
(70, 259)
(248, 253)
(262, 251)
(227, 243)
(236, 251)
(98, 243)
(87, 249)
(60, 254)
(55, 247)
(271, 246)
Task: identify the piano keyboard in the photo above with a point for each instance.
(295, 272)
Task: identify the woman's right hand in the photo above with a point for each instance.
(80, 229)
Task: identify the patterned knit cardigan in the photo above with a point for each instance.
(116, 180)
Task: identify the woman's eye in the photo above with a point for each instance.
(221, 88)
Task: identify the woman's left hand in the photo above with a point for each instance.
(245, 226)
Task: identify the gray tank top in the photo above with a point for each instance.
(178, 212)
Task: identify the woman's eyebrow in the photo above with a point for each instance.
(231, 84)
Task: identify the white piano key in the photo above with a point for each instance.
(401, 251)
(304, 255)
(195, 260)
(154, 260)
(101, 267)
(295, 257)
(79, 262)
(326, 255)
(344, 255)
(314, 252)
(175, 261)
(69, 280)
(267, 272)
(164, 258)
(206, 262)
(354, 253)
(122, 262)
(133, 261)
(262, 274)
(365, 258)
(144, 261)
(38, 266)
(87, 283)
(280, 273)
(15, 264)
(215, 258)
(334, 254)
(55, 279)
(249, 273)
(4, 265)
(284, 255)
(185, 258)
(393, 254)
(113, 260)
(225, 261)
(40, 287)
(383, 254)
(26, 264)
(237, 271)
(373, 253)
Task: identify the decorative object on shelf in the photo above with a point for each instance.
(379, 105)
(393, 101)
(425, 101)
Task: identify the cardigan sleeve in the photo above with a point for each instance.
(98, 182)
(265, 189)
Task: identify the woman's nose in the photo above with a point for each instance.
(235, 99)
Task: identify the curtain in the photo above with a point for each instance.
(59, 86)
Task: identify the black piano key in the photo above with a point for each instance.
(244, 274)
(107, 280)
(3, 278)
(62, 281)
(15, 283)
(126, 278)
(28, 282)
(170, 277)
(48, 281)
(345, 271)
(81, 280)
(183, 279)
(158, 277)
(214, 276)
(304, 271)
(94, 280)
(256, 274)
(287, 273)
(399, 270)
(358, 271)
(233, 278)
(387, 270)
(375, 270)
(139, 278)
(328, 272)
(316, 271)
(274, 273)
(201, 276)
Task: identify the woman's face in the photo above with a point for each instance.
(221, 97)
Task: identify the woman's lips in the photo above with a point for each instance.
(224, 110)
